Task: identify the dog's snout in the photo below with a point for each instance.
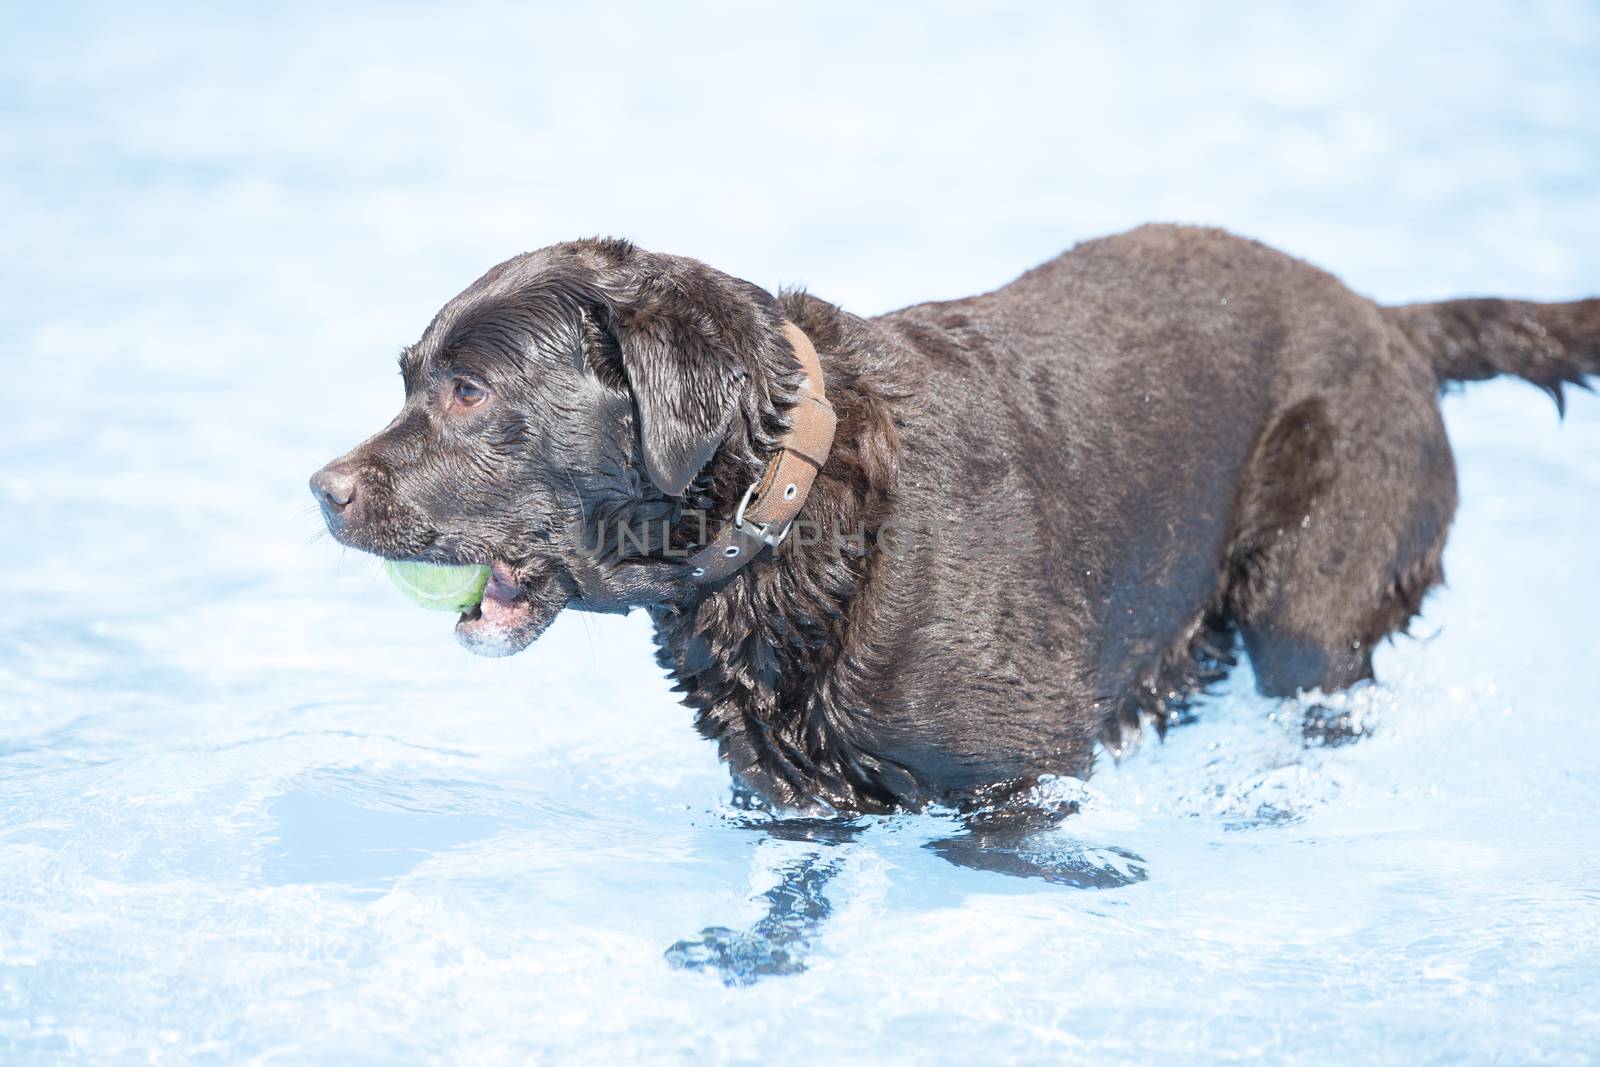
(334, 486)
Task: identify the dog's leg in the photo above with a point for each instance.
(1341, 530)
(1027, 843)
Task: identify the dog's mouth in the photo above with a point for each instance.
(515, 610)
(503, 601)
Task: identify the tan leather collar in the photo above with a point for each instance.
(770, 505)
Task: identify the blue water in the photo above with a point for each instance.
(256, 808)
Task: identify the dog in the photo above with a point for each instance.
(930, 557)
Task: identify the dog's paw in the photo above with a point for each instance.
(1329, 727)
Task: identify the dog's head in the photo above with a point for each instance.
(569, 392)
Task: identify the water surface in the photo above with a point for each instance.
(254, 807)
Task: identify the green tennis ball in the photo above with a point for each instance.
(439, 588)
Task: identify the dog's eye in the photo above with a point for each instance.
(468, 394)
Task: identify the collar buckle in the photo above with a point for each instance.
(762, 531)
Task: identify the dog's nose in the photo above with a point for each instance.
(334, 486)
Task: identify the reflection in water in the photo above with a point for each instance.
(779, 941)
(1022, 843)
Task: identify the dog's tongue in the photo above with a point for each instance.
(502, 599)
(509, 619)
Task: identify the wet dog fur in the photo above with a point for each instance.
(1050, 513)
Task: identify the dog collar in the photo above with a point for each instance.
(766, 514)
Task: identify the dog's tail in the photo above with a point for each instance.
(1550, 345)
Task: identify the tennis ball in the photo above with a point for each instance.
(439, 588)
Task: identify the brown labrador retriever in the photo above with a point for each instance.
(931, 556)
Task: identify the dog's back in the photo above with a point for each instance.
(1195, 434)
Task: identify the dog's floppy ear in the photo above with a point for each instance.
(686, 337)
